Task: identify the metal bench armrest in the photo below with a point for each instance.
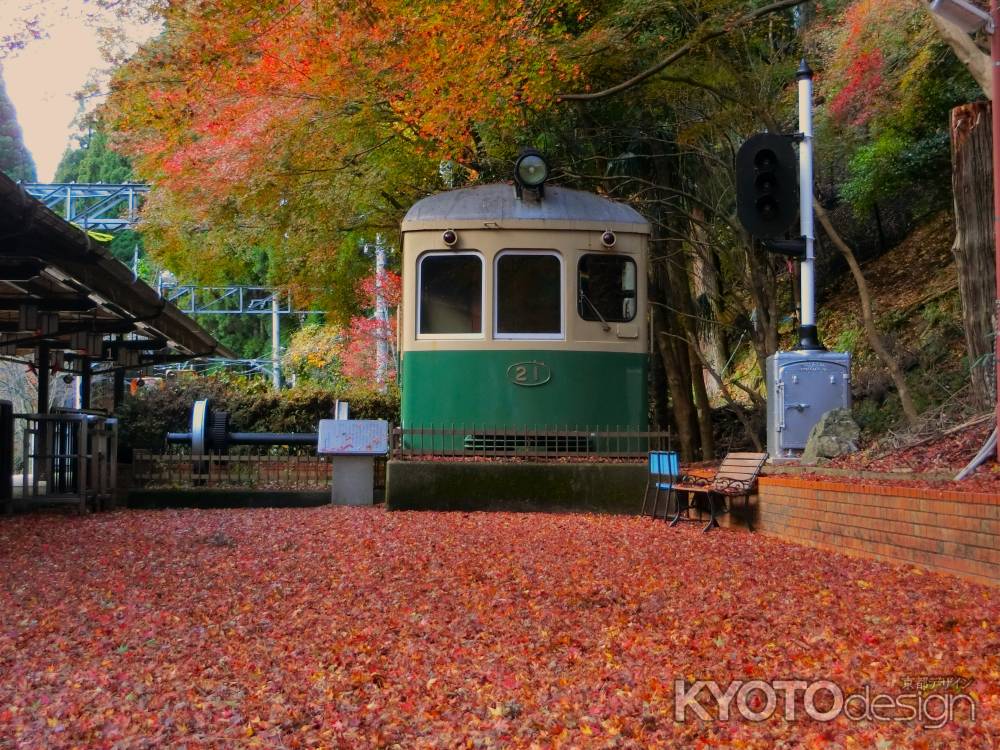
(693, 481)
(732, 486)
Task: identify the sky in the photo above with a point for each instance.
(42, 78)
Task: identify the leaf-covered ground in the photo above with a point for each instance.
(948, 453)
(359, 628)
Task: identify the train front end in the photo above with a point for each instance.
(523, 314)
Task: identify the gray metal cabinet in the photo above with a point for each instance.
(801, 387)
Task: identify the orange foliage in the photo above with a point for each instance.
(229, 83)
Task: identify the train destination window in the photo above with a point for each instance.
(528, 295)
(451, 294)
(607, 290)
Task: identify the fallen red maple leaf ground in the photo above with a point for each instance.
(360, 628)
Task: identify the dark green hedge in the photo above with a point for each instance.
(147, 417)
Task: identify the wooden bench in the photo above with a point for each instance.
(736, 477)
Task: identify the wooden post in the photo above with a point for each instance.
(40, 469)
(86, 381)
(974, 247)
(7, 456)
(995, 88)
(119, 390)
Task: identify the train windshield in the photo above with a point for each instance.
(451, 293)
(528, 295)
(607, 288)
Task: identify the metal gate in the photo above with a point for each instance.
(70, 458)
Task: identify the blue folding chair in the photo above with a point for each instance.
(664, 468)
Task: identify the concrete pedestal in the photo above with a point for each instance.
(353, 480)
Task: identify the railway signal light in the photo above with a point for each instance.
(767, 188)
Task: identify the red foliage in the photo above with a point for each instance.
(359, 355)
(359, 360)
(392, 289)
(358, 628)
(873, 48)
(861, 89)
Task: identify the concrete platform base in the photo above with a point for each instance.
(515, 486)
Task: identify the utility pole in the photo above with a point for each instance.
(276, 339)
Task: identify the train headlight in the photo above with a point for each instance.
(608, 239)
(530, 171)
(449, 237)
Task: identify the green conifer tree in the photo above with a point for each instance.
(93, 161)
(15, 159)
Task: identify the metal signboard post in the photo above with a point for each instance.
(353, 443)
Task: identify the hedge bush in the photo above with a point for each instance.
(147, 417)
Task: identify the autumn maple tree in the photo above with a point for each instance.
(306, 127)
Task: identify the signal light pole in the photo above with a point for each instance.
(766, 190)
(808, 335)
(807, 382)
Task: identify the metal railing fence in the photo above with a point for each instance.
(546, 443)
(253, 467)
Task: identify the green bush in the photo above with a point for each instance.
(849, 340)
(147, 417)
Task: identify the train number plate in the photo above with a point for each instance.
(529, 374)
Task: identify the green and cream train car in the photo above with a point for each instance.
(523, 312)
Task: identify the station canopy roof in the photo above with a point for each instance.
(60, 287)
(496, 205)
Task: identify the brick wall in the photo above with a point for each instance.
(945, 530)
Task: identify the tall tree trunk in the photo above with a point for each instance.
(705, 431)
(679, 384)
(659, 407)
(706, 286)
(762, 283)
(972, 183)
(875, 338)
(670, 295)
(684, 319)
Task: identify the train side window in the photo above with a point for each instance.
(450, 297)
(607, 288)
(528, 295)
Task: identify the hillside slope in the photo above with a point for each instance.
(914, 288)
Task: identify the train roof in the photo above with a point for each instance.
(497, 206)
